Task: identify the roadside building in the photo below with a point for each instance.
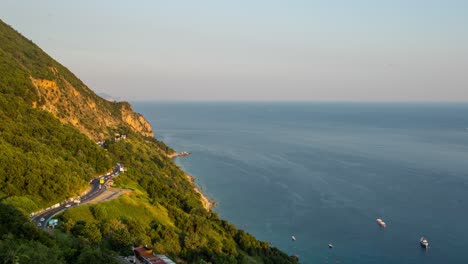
(146, 256)
(118, 137)
(141, 252)
(164, 260)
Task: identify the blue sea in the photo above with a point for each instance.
(324, 172)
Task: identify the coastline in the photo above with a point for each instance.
(207, 203)
(178, 154)
(173, 155)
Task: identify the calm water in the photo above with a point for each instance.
(324, 172)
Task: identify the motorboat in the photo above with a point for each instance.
(381, 223)
(424, 242)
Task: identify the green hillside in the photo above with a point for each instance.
(41, 159)
(31, 74)
(50, 121)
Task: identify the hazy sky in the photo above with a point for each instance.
(364, 50)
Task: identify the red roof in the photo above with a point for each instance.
(143, 252)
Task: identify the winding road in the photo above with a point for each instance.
(97, 189)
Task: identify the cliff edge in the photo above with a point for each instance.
(48, 85)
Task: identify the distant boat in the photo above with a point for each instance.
(381, 223)
(293, 238)
(330, 245)
(424, 242)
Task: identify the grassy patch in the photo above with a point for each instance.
(122, 207)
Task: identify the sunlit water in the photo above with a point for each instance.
(324, 172)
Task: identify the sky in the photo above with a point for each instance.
(255, 50)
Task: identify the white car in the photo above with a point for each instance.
(42, 219)
(68, 205)
(39, 224)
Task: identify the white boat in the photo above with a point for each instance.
(381, 223)
(293, 238)
(424, 242)
(330, 245)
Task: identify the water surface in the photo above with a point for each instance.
(324, 172)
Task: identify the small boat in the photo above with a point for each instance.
(293, 238)
(330, 245)
(381, 223)
(424, 242)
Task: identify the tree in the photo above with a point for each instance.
(97, 256)
(15, 251)
(121, 240)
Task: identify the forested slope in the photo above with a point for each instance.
(48, 152)
(28, 72)
(41, 159)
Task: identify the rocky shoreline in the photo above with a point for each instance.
(178, 154)
(207, 202)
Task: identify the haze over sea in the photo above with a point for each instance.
(324, 172)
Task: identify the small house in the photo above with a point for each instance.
(146, 255)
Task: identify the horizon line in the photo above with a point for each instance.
(300, 101)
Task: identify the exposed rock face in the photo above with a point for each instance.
(28, 72)
(136, 121)
(86, 111)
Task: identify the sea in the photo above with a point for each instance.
(324, 172)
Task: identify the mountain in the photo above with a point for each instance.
(29, 72)
(48, 152)
(109, 97)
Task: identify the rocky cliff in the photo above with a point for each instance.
(55, 89)
(45, 158)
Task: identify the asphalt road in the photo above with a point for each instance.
(42, 218)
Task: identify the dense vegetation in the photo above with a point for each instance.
(22, 62)
(168, 214)
(23, 242)
(42, 161)
(21, 59)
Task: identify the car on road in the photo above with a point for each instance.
(42, 219)
(68, 205)
(39, 224)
